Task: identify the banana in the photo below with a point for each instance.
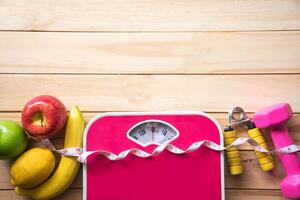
(68, 167)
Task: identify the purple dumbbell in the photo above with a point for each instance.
(274, 118)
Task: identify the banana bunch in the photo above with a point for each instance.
(68, 167)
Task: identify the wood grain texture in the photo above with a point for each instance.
(293, 127)
(154, 55)
(153, 92)
(253, 194)
(70, 194)
(149, 15)
(252, 178)
(232, 194)
(150, 53)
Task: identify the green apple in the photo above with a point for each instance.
(13, 140)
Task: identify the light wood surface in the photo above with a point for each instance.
(75, 194)
(253, 178)
(246, 181)
(214, 93)
(150, 15)
(154, 55)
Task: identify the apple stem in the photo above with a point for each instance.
(42, 121)
(38, 119)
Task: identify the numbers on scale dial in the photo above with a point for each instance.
(152, 132)
(142, 132)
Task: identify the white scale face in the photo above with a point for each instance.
(152, 132)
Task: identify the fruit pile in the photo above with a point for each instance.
(33, 172)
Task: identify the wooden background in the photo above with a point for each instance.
(154, 55)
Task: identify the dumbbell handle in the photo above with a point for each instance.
(281, 138)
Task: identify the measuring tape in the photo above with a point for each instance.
(82, 156)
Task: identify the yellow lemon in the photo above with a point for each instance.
(32, 168)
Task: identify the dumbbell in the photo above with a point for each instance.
(274, 118)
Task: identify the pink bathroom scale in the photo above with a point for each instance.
(193, 175)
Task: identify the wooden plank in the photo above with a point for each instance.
(293, 127)
(150, 15)
(253, 194)
(253, 177)
(211, 93)
(150, 53)
(76, 194)
(70, 194)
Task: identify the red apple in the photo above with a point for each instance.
(44, 116)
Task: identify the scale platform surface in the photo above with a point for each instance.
(193, 175)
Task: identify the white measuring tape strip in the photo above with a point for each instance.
(82, 156)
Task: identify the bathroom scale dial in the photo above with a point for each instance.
(152, 132)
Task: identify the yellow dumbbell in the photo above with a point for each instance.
(265, 160)
(232, 153)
